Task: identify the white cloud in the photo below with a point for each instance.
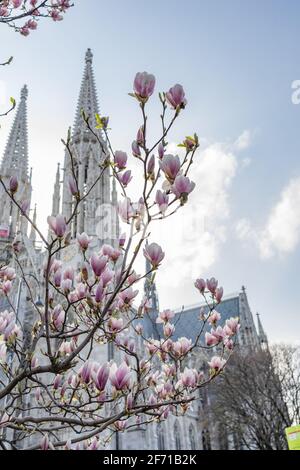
(192, 237)
(281, 233)
(243, 141)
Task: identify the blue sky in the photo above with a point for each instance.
(237, 61)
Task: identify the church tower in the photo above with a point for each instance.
(15, 163)
(88, 150)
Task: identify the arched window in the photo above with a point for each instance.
(192, 437)
(160, 437)
(177, 436)
(206, 439)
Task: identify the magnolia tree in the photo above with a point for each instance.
(23, 15)
(52, 385)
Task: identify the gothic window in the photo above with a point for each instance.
(192, 437)
(206, 439)
(160, 437)
(177, 436)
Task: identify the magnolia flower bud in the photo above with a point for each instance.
(13, 184)
(176, 97)
(143, 85)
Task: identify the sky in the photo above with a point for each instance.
(238, 61)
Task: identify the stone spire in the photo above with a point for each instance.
(16, 152)
(261, 333)
(248, 336)
(88, 150)
(15, 162)
(33, 232)
(87, 101)
(55, 197)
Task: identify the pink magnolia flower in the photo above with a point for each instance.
(58, 381)
(182, 186)
(98, 264)
(100, 292)
(120, 159)
(153, 346)
(140, 137)
(189, 377)
(219, 294)
(162, 200)
(210, 339)
(106, 250)
(136, 152)
(4, 11)
(58, 317)
(31, 24)
(55, 15)
(58, 225)
(125, 178)
(212, 284)
(170, 165)
(182, 346)
(200, 284)
(161, 150)
(143, 85)
(176, 97)
(16, 3)
(6, 287)
(81, 291)
(13, 184)
(24, 31)
(122, 239)
(72, 185)
(115, 324)
(24, 206)
(169, 329)
(66, 285)
(107, 276)
(57, 278)
(218, 333)
(46, 444)
(126, 296)
(228, 343)
(165, 316)
(214, 317)
(100, 377)
(217, 363)
(125, 209)
(68, 273)
(232, 326)
(83, 240)
(154, 254)
(120, 376)
(86, 372)
(151, 165)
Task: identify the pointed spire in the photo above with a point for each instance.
(261, 333)
(115, 219)
(87, 97)
(33, 232)
(15, 159)
(56, 193)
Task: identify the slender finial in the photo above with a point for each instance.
(24, 92)
(88, 56)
